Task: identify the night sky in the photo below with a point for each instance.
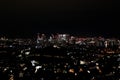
(81, 17)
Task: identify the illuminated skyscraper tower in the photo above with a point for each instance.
(38, 45)
(106, 44)
(38, 38)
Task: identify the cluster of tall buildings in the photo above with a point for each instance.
(68, 39)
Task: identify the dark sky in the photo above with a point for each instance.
(84, 17)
